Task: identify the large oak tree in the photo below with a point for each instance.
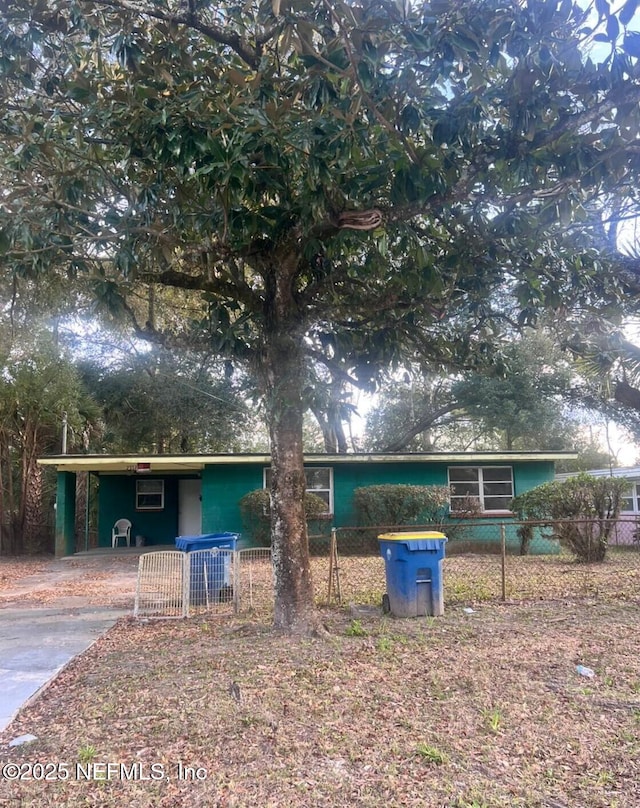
(345, 181)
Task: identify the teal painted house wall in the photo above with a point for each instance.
(222, 489)
(225, 484)
(349, 476)
(529, 475)
(117, 500)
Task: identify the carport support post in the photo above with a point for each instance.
(66, 514)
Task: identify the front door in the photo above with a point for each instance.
(189, 507)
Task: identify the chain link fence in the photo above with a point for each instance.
(493, 561)
(485, 561)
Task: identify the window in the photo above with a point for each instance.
(319, 482)
(631, 499)
(149, 495)
(490, 486)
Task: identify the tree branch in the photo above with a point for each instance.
(336, 371)
(427, 421)
(183, 280)
(250, 55)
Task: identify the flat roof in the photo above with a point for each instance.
(629, 471)
(192, 463)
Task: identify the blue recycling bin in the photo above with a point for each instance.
(413, 567)
(210, 570)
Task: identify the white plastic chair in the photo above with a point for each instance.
(121, 530)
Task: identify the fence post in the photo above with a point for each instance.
(503, 554)
(186, 584)
(236, 559)
(334, 572)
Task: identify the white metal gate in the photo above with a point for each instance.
(177, 584)
(161, 585)
(255, 589)
(210, 578)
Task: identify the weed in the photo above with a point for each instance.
(605, 778)
(431, 753)
(87, 753)
(493, 719)
(356, 629)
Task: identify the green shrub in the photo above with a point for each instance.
(256, 518)
(400, 505)
(581, 511)
(393, 505)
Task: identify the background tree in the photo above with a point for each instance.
(38, 389)
(159, 402)
(411, 413)
(607, 369)
(363, 177)
(517, 403)
(524, 406)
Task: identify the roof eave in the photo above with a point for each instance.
(195, 463)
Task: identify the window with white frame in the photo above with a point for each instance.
(631, 499)
(149, 495)
(491, 487)
(319, 482)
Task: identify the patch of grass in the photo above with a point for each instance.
(356, 629)
(461, 802)
(493, 719)
(431, 754)
(87, 754)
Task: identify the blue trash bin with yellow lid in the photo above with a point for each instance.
(413, 567)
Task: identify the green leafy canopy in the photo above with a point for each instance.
(217, 148)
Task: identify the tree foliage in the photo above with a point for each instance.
(161, 403)
(345, 182)
(516, 403)
(40, 389)
(522, 404)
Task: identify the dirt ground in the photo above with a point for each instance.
(100, 580)
(480, 708)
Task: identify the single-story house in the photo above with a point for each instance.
(627, 529)
(164, 496)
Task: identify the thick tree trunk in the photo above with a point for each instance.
(294, 602)
(82, 495)
(34, 531)
(282, 372)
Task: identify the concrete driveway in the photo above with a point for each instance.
(48, 618)
(36, 644)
